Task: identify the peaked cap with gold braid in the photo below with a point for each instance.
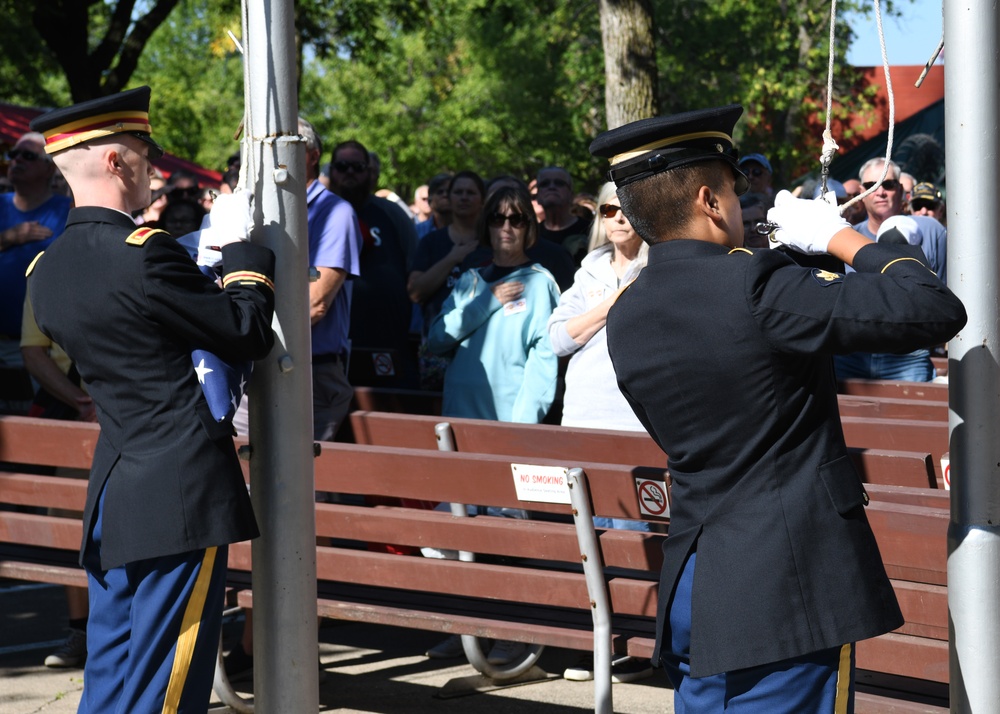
(648, 146)
(122, 113)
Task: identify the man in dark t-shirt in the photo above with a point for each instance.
(381, 351)
(561, 226)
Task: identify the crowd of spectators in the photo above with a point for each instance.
(494, 292)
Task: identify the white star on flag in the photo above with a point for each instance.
(202, 370)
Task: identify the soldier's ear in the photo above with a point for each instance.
(112, 161)
(706, 202)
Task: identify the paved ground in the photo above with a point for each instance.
(366, 668)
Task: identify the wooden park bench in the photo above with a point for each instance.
(527, 582)
(897, 467)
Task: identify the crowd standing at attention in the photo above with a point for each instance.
(511, 296)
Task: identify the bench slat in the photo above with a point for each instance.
(912, 541)
(906, 656)
(42, 531)
(69, 444)
(44, 491)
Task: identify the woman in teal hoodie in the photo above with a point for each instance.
(494, 323)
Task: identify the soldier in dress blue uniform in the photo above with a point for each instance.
(771, 571)
(166, 494)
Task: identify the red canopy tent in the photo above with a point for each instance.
(14, 123)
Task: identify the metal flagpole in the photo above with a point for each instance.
(972, 136)
(281, 462)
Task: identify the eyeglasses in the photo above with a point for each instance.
(922, 203)
(755, 172)
(608, 210)
(517, 220)
(347, 166)
(549, 183)
(23, 154)
(888, 184)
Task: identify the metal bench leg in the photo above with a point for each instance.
(473, 651)
(224, 688)
(593, 570)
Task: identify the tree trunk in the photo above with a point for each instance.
(629, 60)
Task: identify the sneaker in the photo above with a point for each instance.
(447, 649)
(505, 652)
(72, 652)
(630, 669)
(237, 662)
(582, 670)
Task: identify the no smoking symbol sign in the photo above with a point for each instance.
(383, 364)
(652, 498)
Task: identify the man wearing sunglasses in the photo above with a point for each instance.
(381, 310)
(30, 219)
(881, 204)
(758, 169)
(926, 200)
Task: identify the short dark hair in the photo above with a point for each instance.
(231, 177)
(349, 144)
(179, 174)
(659, 207)
(507, 197)
(472, 176)
(443, 179)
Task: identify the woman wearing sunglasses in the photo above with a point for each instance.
(494, 323)
(577, 327)
(493, 326)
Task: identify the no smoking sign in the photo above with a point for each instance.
(652, 498)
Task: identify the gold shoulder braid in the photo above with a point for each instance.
(31, 266)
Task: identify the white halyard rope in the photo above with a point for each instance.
(830, 146)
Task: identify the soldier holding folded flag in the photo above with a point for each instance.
(166, 494)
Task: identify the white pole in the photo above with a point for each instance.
(281, 464)
(972, 97)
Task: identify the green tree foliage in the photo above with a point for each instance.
(771, 56)
(498, 86)
(197, 76)
(95, 44)
(29, 72)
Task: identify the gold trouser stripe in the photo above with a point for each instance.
(189, 634)
(843, 680)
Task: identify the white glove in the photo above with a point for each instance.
(230, 221)
(806, 226)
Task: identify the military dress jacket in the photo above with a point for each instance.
(128, 306)
(725, 356)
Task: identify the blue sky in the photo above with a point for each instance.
(909, 39)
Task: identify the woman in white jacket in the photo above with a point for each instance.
(576, 327)
(592, 399)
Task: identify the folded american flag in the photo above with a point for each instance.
(223, 383)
